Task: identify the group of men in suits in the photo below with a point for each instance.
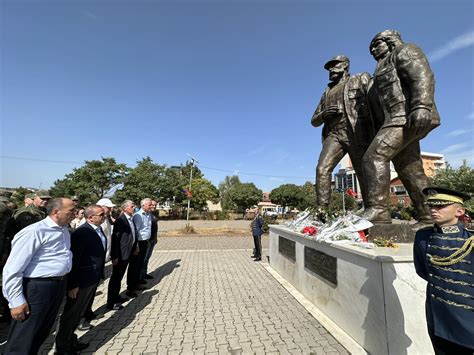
(48, 262)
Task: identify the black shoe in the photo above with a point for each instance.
(90, 316)
(132, 294)
(141, 282)
(84, 326)
(258, 259)
(253, 256)
(121, 300)
(149, 277)
(139, 288)
(80, 346)
(115, 307)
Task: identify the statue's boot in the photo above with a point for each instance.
(377, 215)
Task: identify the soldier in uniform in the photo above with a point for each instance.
(444, 257)
(32, 213)
(5, 222)
(344, 112)
(405, 113)
(5, 214)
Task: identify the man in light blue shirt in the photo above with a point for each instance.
(136, 270)
(34, 277)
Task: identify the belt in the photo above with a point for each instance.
(50, 278)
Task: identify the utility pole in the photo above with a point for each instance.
(193, 161)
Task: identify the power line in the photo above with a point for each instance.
(199, 165)
(255, 174)
(43, 160)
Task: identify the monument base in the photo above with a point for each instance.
(399, 233)
(374, 295)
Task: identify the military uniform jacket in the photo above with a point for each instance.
(404, 82)
(444, 257)
(257, 225)
(24, 216)
(355, 108)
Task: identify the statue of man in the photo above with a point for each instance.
(403, 84)
(344, 111)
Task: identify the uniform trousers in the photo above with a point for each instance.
(445, 347)
(257, 239)
(44, 297)
(70, 318)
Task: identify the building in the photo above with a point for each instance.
(346, 177)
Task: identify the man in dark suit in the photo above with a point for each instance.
(124, 242)
(88, 246)
(257, 231)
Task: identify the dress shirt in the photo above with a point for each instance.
(142, 221)
(101, 234)
(40, 250)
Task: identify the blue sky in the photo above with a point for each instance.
(234, 83)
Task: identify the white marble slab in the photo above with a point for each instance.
(378, 299)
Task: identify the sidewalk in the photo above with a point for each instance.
(208, 296)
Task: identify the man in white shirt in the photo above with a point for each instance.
(34, 277)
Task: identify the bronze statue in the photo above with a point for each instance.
(404, 112)
(344, 111)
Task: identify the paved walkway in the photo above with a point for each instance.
(208, 296)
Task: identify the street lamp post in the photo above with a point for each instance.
(193, 160)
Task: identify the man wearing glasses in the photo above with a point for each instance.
(444, 257)
(88, 246)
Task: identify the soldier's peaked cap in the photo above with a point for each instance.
(337, 59)
(444, 196)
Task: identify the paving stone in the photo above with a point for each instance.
(207, 302)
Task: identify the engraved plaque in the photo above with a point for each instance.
(286, 248)
(321, 264)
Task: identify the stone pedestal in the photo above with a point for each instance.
(399, 233)
(374, 295)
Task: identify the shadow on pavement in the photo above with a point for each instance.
(103, 332)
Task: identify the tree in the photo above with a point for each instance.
(245, 195)
(288, 195)
(202, 191)
(224, 192)
(91, 181)
(147, 179)
(335, 204)
(461, 179)
(309, 196)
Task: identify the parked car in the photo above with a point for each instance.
(269, 211)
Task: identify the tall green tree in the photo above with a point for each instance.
(224, 192)
(91, 181)
(146, 179)
(245, 196)
(202, 191)
(309, 196)
(288, 195)
(460, 179)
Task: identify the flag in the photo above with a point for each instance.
(351, 192)
(187, 193)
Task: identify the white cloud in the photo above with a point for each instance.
(455, 148)
(89, 15)
(458, 132)
(471, 116)
(456, 159)
(256, 151)
(460, 42)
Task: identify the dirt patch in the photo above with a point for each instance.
(206, 232)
